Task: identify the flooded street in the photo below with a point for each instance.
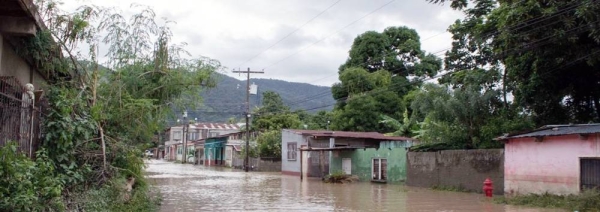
(198, 188)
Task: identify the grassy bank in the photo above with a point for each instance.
(586, 201)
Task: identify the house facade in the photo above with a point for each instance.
(555, 159)
(194, 132)
(385, 163)
(369, 155)
(22, 79)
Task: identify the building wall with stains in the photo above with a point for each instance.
(11, 64)
(463, 169)
(550, 165)
(362, 161)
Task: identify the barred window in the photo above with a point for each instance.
(291, 150)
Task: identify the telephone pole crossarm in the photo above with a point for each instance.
(248, 72)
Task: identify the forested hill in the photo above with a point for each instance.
(227, 99)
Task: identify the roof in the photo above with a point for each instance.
(555, 130)
(211, 126)
(225, 126)
(338, 148)
(349, 134)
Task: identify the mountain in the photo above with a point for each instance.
(228, 98)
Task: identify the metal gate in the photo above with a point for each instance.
(590, 173)
(20, 118)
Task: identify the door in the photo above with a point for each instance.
(590, 173)
(347, 165)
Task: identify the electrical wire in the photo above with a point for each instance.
(289, 34)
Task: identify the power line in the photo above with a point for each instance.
(289, 34)
(312, 44)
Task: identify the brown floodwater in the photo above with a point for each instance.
(186, 187)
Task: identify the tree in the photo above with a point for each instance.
(269, 144)
(464, 117)
(545, 51)
(272, 103)
(360, 114)
(99, 122)
(396, 49)
(381, 68)
(274, 115)
(321, 120)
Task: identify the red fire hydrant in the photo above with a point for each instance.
(488, 187)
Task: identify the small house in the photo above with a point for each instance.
(555, 159)
(371, 156)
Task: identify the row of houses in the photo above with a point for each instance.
(556, 159)
(305, 153)
(209, 144)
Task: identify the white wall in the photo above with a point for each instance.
(290, 166)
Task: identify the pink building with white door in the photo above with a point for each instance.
(557, 159)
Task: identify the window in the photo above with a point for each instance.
(214, 134)
(179, 150)
(177, 135)
(379, 169)
(291, 150)
(194, 136)
(589, 173)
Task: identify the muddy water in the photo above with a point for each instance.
(186, 187)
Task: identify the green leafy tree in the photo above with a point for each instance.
(269, 144)
(464, 117)
(375, 77)
(99, 122)
(544, 52)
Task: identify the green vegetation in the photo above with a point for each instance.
(450, 188)
(100, 119)
(586, 201)
(503, 73)
(340, 177)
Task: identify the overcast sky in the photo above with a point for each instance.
(235, 31)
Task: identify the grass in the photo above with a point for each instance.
(586, 201)
(450, 188)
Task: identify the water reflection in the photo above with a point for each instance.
(196, 188)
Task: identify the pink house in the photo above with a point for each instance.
(555, 159)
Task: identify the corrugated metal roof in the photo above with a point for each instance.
(556, 130)
(349, 134)
(216, 126)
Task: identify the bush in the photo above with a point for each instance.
(340, 177)
(110, 197)
(27, 185)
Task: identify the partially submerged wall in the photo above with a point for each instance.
(464, 169)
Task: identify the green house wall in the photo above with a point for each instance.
(361, 159)
(214, 147)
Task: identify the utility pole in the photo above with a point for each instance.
(185, 123)
(248, 72)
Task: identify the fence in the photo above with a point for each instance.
(463, 169)
(258, 164)
(20, 117)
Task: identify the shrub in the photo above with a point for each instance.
(28, 185)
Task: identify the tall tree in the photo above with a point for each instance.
(548, 51)
(381, 68)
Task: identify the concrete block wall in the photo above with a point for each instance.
(466, 169)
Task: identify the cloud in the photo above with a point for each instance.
(235, 31)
